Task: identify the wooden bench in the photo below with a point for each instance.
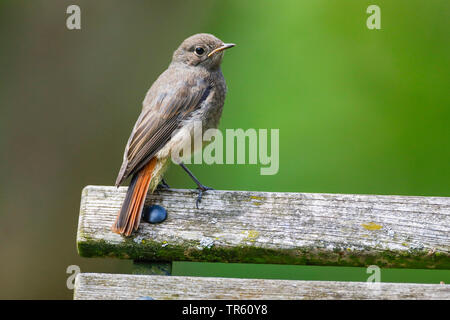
(266, 227)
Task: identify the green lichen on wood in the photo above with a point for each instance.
(156, 251)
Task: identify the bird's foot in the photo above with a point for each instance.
(163, 185)
(201, 190)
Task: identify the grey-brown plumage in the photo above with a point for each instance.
(191, 89)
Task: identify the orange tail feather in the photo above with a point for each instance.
(129, 216)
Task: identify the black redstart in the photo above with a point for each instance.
(192, 89)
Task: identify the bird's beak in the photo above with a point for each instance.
(221, 48)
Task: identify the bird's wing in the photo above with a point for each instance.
(160, 117)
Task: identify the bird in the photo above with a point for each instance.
(192, 89)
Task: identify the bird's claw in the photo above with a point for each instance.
(163, 185)
(201, 190)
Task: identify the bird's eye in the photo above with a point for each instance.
(199, 51)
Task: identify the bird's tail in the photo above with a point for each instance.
(129, 216)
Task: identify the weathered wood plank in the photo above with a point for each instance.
(263, 227)
(119, 286)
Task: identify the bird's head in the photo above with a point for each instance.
(201, 49)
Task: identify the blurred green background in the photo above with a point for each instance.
(359, 111)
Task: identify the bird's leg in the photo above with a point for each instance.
(200, 187)
(163, 185)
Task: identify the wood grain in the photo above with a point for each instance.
(90, 286)
(274, 227)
